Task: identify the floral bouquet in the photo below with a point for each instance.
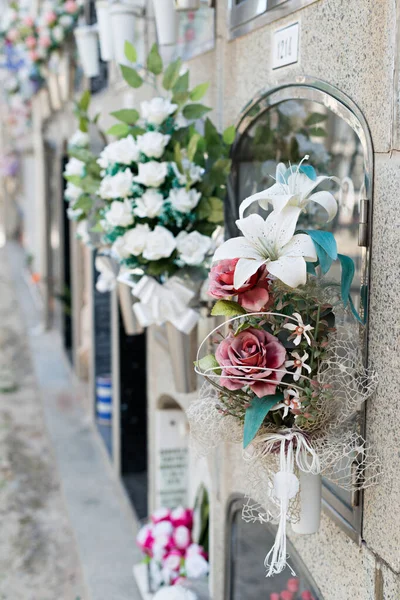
(286, 375)
(163, 185)
(292, 592)
(169, 549)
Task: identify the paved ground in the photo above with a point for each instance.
(67, 531)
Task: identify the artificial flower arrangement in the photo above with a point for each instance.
(287, 374)
(292, 592)
(163, 185)
(169, 549)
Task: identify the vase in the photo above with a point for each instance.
(167, 22)
(310, 504)
(123, 18)
(88, 49)
(183, 352)
(105, 33)
(126, 300)
(187, 4)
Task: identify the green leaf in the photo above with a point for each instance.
(209, 363)
(325, 246)
(74, 179)
(84, 101)
(255, 415)
(317, 132)
(130, 52)
(131, 76)
(83, 124)
(171, 74)
(198, 92)
(195, 111)
(98, 228)
(178, 156)
(119, 130)
(84, 203)
(180, 98)
(126, 115)
(217, 210)
(90, 185)
(315, 118)
(182, 83)
(229, 135)
(81, 154)
(154, 61)
(227, 308)
(192, 146)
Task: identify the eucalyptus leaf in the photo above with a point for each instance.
(131, 76)
(255, 415)
(227, 308)
(154, 61)
(195, 111)
(199, 91)
(130, 52)
(126, 115)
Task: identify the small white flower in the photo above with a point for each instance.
(117, 186)
(153, 143)
(291, 400)
(160, 243)
(180, 121)
(192, 247)
(72, 192)
(152, 173)
(150, 205)
(58, 33)
(75, 167)
(156, 110)
(120, 214)
(79, 139)
(184, 200)
(299, 330)
(299, 363)
(135, 239)
(123, 152)
(196, 566)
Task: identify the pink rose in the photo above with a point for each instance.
(30, 42)
(293, 584)
(45, 41)
(182, 516)
(70, 7)
(145, 539)
(286, 595)
(307, 595)
(162, 514)
(182, 537)
(50, 17)
(33, 55)
(274, 596)
(252, 355)
(173, 560)
(12, 35)
(195, 549)
(28, 21)
(252, 295)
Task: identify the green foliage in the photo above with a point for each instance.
(199, 91)
(195, 111)
(192, 146)
(209, 363)
(317, 132)
(83, 203)
(229, 135)
(211, 210)
(84, 102)
(154, 61)
(119, 130)
(315, 118)
(227, 308)
(131, 76)
(126, 115)
(171, 74)
(130, 52)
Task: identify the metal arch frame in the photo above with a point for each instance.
(309, 88)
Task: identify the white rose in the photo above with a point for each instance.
(183, 200)
(196, 566)
(150, 205)
(156, 110)
(192, 247)
(153, 143)
(194, 171)
(160, 243)
(117, 186)
(58, 33)
(80, 139)
(135, 239)
(72, 192)
(106, 280)
(118, 249)
(66, 21)
(120, 214)
(75, 167)
(123, 152)
(152, 173)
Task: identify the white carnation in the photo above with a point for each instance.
(75, 167)
(79, 139)
(153, 143)
(160, 243)
(152, 173)
(193, 247)
(120, 214)
(117, 186)
(135, 239)
(123, 152)
(184, 200)
(156, 110)
(150, 205)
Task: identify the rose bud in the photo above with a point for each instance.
(182, 516)
(162, 528)
(162, 514)
(172, 560)
(196, 549)
(182, 537)
(145, 539)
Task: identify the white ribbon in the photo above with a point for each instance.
(159, 303)
(286, 485)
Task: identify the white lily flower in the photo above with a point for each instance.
(299, 330)
(299, 363)
(293, 187)
(270, 242)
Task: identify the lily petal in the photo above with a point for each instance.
(327, 201)
(300, 245)
(291, 270)
(280, 226)
(237, 247)
(252, 228)
(245, 268)
(303, 184)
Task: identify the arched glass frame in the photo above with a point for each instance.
(284, 124)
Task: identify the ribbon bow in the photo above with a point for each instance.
(159, 303)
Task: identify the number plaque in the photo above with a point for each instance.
(285, 46)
